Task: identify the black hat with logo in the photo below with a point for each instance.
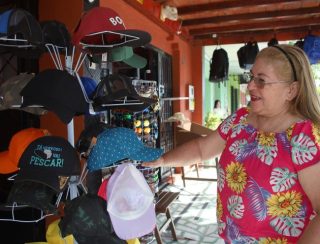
(49, 160)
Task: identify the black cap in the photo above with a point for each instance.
(57, 91)
(55, 33)
(21, 34)
(87, 219)
(117, 91)
(33, 194)
(49, 160)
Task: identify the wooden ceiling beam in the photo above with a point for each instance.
(259, 25)
(248, 16)
(282, 34)
(198, 8)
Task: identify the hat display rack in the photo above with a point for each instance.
(21, 33)
(123, 113)
(92, 39)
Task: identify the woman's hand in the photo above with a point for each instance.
(154, 164)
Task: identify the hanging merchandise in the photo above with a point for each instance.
(45, 169)
(56, 34)
(84, 143)
(49, 160)
(89, 86)
(145, 88)
(21, 33)
(130, 203)
(122, 118)
(126, 55)
(272, 42)
(121, 54)
(219, 66)
(247, 54)
(299, 43)
(53, 235)
(9, 159)
(311, 46)
(85, 217)
(145, 126)
(56, 40)
(33, 194)
(116, 144)
(53, 89)
(10, 97)
(101, 28)
(116, 91)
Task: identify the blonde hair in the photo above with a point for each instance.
(306, 103)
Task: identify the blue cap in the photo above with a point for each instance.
(89, 85)
(117, 144)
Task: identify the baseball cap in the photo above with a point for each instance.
(117, 144)
(85, 139)
(53, 234)
(126, 55)
(9, 159)
(49, 160)
(33, 194)
(117, 91)
(86, 218)
(10, 97)
(55, 33)
(102, 192)
(57, 91)
(89, 85)
(272, 42)
(20, 28)
(102, 27)
(130, 203)
(177, 117)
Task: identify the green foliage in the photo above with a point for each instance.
(212, 121)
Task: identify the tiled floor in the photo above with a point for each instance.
(194, 212)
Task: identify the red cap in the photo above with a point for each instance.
(102, 192)
(9, 159)
(103, 26)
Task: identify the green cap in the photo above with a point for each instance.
(126, 55)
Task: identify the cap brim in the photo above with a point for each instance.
(34, 195)
(136, 61)
(64, 114)
(130, 229)
(140, 38)
(51, 180)
(147, 154)
(143, 37)
(92, 165)
(7, 166)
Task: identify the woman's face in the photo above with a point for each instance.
(268, 93)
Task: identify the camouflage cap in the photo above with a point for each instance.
(33, 194)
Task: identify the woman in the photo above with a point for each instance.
(268, 173)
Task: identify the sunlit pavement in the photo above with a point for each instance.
(194, 212)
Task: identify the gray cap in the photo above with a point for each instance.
(10, 97)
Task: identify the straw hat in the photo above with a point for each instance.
(178, 117)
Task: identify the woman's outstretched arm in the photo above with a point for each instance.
(196, 150)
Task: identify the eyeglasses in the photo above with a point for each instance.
(260, 83)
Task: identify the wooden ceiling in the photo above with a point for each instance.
(210, 22)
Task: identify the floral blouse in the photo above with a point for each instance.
(260, 199)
